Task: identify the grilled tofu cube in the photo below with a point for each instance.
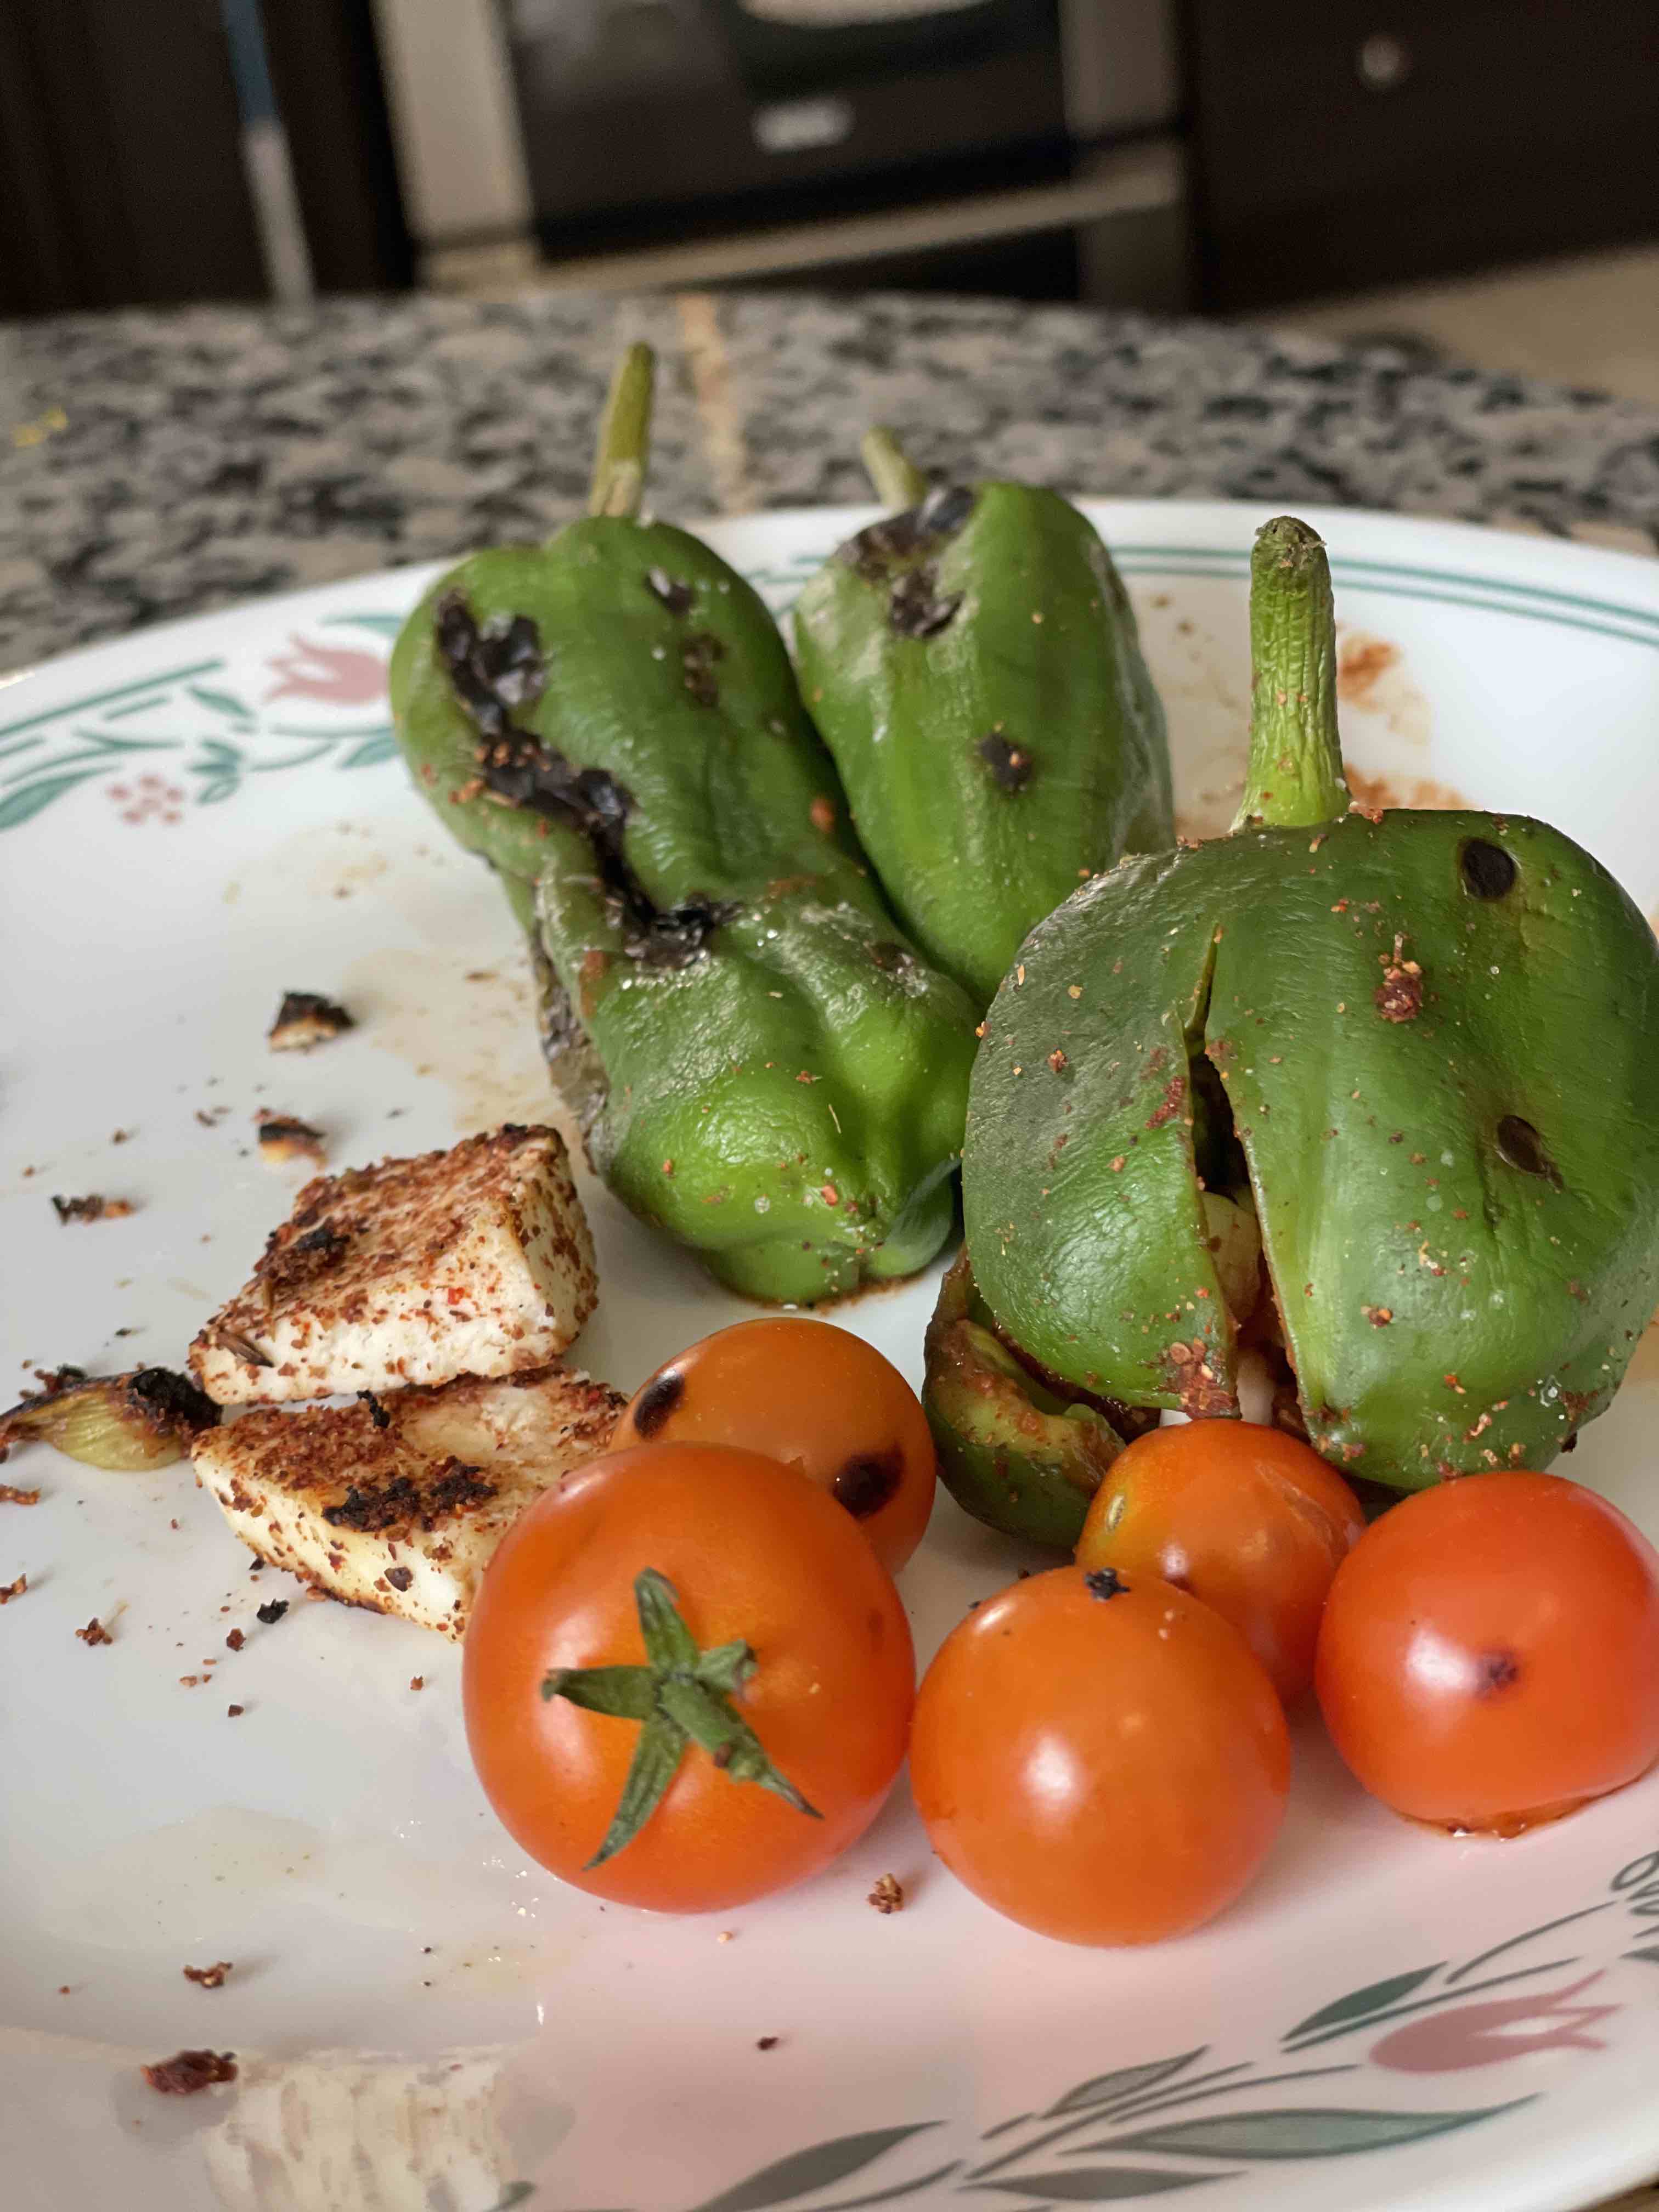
(473, 1261)
(397, 1503)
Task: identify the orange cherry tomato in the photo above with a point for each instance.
(785, 1619)
(1099, 1757)
(1490, 1653)
(816, 1397)
(1244, 1517)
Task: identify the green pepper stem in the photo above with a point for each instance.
(624, 436)
(1295, 774)
(898, 482)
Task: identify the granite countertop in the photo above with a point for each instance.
(160, 463)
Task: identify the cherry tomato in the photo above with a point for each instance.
(787, 1625)
(1099, 1757)
(1489, 1652)
(1244, 1517)
(815, 1396)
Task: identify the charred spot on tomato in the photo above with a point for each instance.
(660, 1395)
(1495, 1671)
(675, 596)
(1010, 766)
(1520, 1145)
(1105, 1582)
(1488, 872)
(867, 1480)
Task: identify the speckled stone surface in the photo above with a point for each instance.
(162, 464)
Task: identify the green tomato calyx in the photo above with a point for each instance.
(682, 1694)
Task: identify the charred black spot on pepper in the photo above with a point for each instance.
(698, 656)
(1012, 766)
(377, 1411)
(495, 666)
(1521, 1146)
(517, 766)
(892, 959)
(867, 1481)
(675, 596)
(1489, 873)
(1105, 1582)
(914, 607)
(660, 1395)
(945, 510)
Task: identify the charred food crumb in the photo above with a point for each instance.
(208, 1977)
(93, 1632)
(272, 1613)
(888, 1895)
(282, 1138)
(1105, 1582)
(187, 2071)
(234, 1713)
(93, 1207)
(306, 1018)
(377, 1411)
(766, 2043)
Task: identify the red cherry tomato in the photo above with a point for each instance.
(784, 1613)
(815, 1396)
(1244, 1517)
(1490, 1653)
(1104, 1760)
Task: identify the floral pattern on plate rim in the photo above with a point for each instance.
(1118, 2121)
(198, 733)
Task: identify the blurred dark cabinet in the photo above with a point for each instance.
(1339, 146)
(120, 157)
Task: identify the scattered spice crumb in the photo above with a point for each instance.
(12, 1495)
(120, 1136)
(888, 1895)
(1378, 1316)
(282, 1138)
(725, 1935)
(93, 1632)
(272, 1613)
(93, 1207)
(10, 1590)
(234, 1713)
(187, 2071)
(417, 1681)
(305, 1019)
(208, 1977)
(766, 2043)
(188, 1682)
(235, 1640)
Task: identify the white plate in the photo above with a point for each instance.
(203, 816)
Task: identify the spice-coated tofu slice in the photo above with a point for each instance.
(397, 1503)
(473, 1261)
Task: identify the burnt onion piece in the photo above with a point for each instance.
(124, 1424)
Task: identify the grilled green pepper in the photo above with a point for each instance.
(973, 665)
(1423, 1046)
(611, 720)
